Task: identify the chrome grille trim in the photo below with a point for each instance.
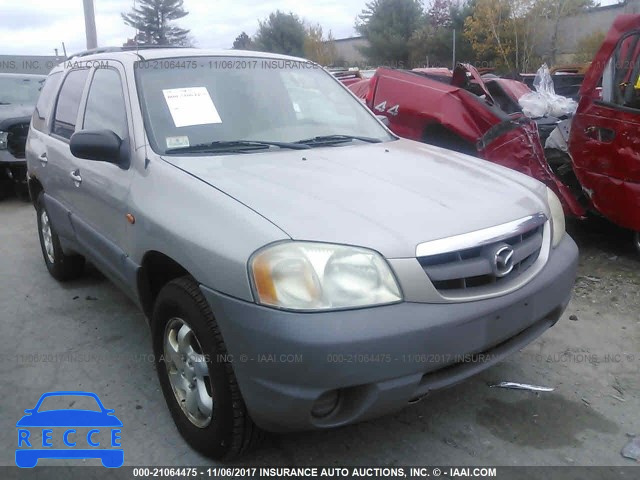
(467, 273)
(480, 238)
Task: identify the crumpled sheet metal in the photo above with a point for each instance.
(424, 101)
(529, 159)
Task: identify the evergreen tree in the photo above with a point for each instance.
(388, 25)
(152, 20)
(243, 42)
(281, 33)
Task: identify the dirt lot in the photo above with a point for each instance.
(591, 357)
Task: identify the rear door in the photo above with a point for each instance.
(604, 141)
(56, 159)
(100, 197)
(36, 148)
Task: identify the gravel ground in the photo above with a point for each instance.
(591, 357)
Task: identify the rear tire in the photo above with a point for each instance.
(61, 267)
(198, 384)
(636, 240)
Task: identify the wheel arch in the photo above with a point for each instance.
(35, 188)
(156, 270)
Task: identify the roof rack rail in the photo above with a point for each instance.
(128, 48)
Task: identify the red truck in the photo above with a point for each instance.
(592, 161)
(463, 112)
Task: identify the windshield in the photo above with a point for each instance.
(20, 90)
(202, 100)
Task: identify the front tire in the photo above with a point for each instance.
(61, 267)
(636, 240)
(198, 384)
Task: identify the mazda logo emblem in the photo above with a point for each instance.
(503, 261)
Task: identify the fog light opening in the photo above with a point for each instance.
(325, 404)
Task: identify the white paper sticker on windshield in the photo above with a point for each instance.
(191, 106)
(177, 142)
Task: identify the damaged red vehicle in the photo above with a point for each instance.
(462, 112)
(592, 161)
(597, 152)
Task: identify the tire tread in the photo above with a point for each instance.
(245, 435)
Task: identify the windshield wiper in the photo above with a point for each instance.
(5, 103)
(235, 146)
(329, 139)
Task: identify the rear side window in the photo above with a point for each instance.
(627, 72)
(43, 107)
(64, 120)
(105, 104)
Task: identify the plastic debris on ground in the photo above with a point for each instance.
(522, 386)
(544, 101)
(632, 449)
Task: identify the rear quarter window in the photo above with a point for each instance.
(45, 101)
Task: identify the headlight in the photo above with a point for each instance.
(320, 276)
(557, 218)
(3, 140)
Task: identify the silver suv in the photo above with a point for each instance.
(300, 266)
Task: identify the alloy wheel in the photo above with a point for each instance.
(45, 228)
(188, 372)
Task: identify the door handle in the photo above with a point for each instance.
(601, 134)
(43, 159)
(75, 176)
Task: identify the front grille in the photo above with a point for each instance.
(472, 268)
(17, 139)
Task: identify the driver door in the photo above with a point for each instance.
(101, 196)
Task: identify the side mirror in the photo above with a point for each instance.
(99, 145)
(384, 120)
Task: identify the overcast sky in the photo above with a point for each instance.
(36, 27)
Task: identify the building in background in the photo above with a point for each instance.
(570, 32)
(348, 54)
(573, 29)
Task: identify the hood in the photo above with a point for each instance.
(388, 196)
(9, 114)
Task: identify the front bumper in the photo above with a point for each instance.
(6, 158)
(379, 358)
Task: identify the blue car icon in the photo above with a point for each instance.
(27, 456)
